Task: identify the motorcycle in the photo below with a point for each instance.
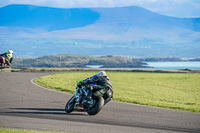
(3, 63)
(79, 101)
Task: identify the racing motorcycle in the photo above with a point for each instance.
(3, 63)
(81, 103)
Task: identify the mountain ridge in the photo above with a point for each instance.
(129, 31)
(46, 18)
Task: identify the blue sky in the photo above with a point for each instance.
(176, 8)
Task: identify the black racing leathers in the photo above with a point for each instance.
(98, 83)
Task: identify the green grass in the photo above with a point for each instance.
(6, 70)
(180, 91)
(3, 130)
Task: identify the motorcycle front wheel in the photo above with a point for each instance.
(70, 105)
(97, 107)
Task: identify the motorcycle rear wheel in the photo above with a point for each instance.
(97, 107)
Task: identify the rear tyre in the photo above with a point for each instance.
(70, 105)
(97, 107)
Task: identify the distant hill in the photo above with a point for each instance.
(45, 18)
(78, 61)
(133, 23)
(34, 31)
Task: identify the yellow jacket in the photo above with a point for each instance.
(8, 56)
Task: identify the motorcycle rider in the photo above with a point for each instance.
(98, 82)
(8, 57)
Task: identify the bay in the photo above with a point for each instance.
(193, 65)
(175, 65)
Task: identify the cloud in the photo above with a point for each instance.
(177, 8)
(180, 8)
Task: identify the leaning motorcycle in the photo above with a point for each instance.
(81, 103)
(3, 63)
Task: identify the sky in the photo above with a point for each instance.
(175, 8)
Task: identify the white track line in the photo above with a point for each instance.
(32, 81)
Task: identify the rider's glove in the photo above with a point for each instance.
(79, 82)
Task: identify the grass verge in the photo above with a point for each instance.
(42, 69)
(180, 91)
(4, 130)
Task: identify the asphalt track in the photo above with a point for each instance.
(23, 105)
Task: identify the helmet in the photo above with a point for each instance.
(10, 51)
(101, 73)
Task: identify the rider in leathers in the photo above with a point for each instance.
(8, 57)
(97, 82)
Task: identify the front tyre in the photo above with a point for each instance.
(97, 107)
(70, 105)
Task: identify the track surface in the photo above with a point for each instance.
(26, 106)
